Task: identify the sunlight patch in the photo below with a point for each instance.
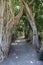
(31, 62)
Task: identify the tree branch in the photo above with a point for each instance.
(31, 2)
(18, 16)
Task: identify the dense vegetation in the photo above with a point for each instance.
(37, 9)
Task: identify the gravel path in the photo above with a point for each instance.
(22, 54)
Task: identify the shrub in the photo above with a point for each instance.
(40, 54)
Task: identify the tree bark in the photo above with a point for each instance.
(6, 25)
(5, 34)
(2, 7)
(32, 23)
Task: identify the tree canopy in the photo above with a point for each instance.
(37, 9)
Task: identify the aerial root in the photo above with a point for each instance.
(1, 56)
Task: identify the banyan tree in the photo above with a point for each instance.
(8, 20)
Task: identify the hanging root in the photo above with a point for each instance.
(1, 55)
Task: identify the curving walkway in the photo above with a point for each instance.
(22, 54)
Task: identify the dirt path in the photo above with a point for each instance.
(22, 54)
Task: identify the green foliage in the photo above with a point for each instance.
(40, 55)
(37, 8)
(20, 26)
(15, 6)
(26, 27)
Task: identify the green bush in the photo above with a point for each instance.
(40, 54)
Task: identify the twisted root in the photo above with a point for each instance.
(1, 55)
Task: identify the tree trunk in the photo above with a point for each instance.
(32, 23)
(6, 25)
(2, 6)
(5, 34)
